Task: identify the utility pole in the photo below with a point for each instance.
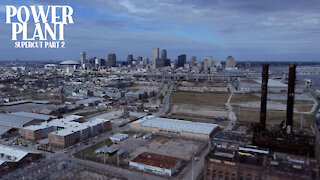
(192, 157)
(301, 121)
(118, 159)
(104, 155)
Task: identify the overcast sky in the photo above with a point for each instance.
(268, 30)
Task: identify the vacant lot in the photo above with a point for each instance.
(199, 111)
(253, 101)
(243, 98)
(274, 117)
(205, 99)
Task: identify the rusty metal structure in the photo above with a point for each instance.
(281, 140)
(264, 93)
(290, 98)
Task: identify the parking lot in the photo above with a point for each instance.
(170, 146)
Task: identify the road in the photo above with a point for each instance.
(232, 118)
(166, 99)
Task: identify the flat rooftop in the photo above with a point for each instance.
(68, 124)
(236, 156)
(55, 122)
(75, 126)
(180, 125)
(12, 154)
(156, 160)
(33, 115)
(4, 129)
(14, 121)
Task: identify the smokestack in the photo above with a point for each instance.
(264, 92)
(290, 98)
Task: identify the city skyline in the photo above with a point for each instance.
(246, 30)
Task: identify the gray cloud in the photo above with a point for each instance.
(247, 29)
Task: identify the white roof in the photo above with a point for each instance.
(11, 154)
(70, 62)
(173, 124)
(67, 123)
(55, 122)
(75, 127)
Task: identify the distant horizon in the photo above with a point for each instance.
(274, 30)
(253, 61)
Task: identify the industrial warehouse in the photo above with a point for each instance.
(11, 158)
(65, 131)
(174, 127)
(156, 163)
(11, 122)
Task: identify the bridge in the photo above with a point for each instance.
(308, 70)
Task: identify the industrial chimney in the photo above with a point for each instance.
(264, 92)
(290, 98)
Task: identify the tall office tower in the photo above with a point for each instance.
(102, 62)
(209, 58)
(164, 60)
(230, 62)
(129, 59)
(193, 60)
(155, 56)
(181, 60)
(97, 63)
(112, 60)
(200, 65)
(217, 63)
(205, 65)
(164, 54)
(83, 59)
(139, 61)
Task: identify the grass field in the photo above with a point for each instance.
(37, 96)
(300, 105)
(274, 117)
(243, 98)
(197, 98)
(303, 108)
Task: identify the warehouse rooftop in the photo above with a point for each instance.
(156, 160)
(187, 126)
(14, 121)
(33, 115)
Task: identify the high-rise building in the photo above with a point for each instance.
(164, 54)
(164, 59)
(181, 60)
(209, 58)
(217, 63)
(200, 65)
(193, 60)
(139, 61)
(83, 59)
(146, 61)
(155, 56)
(205, 65)
(112, 60)
(230, 62)
(129, 59)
